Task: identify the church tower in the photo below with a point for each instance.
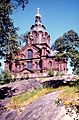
(38, 31)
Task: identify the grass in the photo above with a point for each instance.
(68, 96)
(24, 99)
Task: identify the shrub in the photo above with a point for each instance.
(51, 72)
(5, 77)
(76, 71)
(27, 77)
(59, 74)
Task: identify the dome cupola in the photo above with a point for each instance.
(38, 23)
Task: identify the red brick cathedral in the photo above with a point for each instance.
(36, 57)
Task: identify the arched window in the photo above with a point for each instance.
(40, 38)
(40, 64)
(23, 66)
(34, 38)
(30, 54)
(50, 64)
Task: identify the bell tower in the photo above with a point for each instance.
(38, 30)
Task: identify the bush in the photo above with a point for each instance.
(76, 72)
(5, 77)
(59, 74)
(51, 72)
(27, 77)
(74, 83)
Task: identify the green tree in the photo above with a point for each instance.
(5, 77)
(23, 39)
(68, 47)
(8, 33)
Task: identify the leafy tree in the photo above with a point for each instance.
(8, 33)
(5, 77)
(68, 47)
(69, 40)
(23, 39)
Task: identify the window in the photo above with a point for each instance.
(29, 65)
(40, 38)
(36, 65)
(50, 64)
(23, 65)
(30, 54)
(34, 38)
(44, 51)
(40, 64)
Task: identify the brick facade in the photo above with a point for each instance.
(35, 57)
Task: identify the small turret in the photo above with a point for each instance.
(38, 18)
(38, 23)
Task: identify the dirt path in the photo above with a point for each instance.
(45, 109)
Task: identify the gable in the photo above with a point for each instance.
(23, 53)
(26, 71)
(25, 48)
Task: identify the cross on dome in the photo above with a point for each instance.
(38, 13)
(38, 26)
(38, 10)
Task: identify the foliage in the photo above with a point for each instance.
(76, 71)
(17, 61)
(51, 72)
(67, 41)
(23, 39)
(68, 47)
(17, 3)
(27, 76)
(7, 30)
(74, 83)
(8, 33)
(59, 73)
(69, 96)
(5, 77)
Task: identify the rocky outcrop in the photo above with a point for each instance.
(18, 87)
(12, 89)
(45, 109)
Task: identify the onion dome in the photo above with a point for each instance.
(38, 23)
